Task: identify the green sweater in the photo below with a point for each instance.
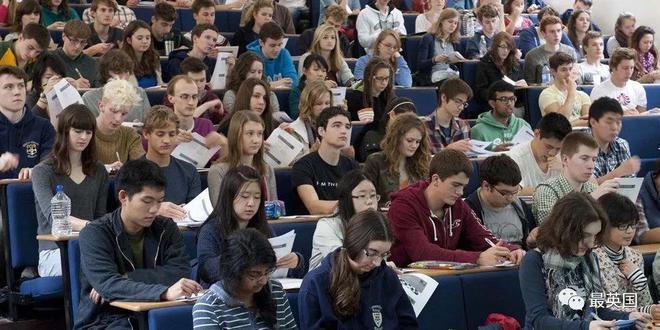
(488, 128)
(49, 17)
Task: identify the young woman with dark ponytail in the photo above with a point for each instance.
(353, 288)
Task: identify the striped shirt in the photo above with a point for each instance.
(637, 277)
(217, 309)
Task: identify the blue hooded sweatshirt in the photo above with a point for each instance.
(282, 64)
(31, 138)
(383, 303)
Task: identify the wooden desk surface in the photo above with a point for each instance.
(480, 269)
(144, 306)
(53, 238)
(297, 219)
(647, 249)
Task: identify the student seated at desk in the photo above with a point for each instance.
(537, 159)
(51, 70)
(562, 95)
(25, 139)
(646, 62)
(24, 13)
(244, 295)
(131, 254)
(310, 39)
(500, 124)
(650, 201)
(81, 68)
(314, 68)
(162, 26)
(591, 70)
(54, 14)
(112, 139)
(203, 12)
(533, 37)
(488, 18)
(377, 16)
(436, 50)
(558, 278)
(258, 13)
(500, 60)
(209, 105)
(25, 50)
(445, 128)
(238, 205)
(387, 47)
(355, 193)
(315, 176)
(425, 216)
(137, 44)
(353, 288)
(204, 38)
(245, 147)
(579, 152)
(551, 29)
(622, 268)
(253, 96)
(497, 204)
(279, 70)
(116, 64)
(249, 65)
(104, 36)
(72, 166)
(620, 87)
(405, 157)
(160, 130)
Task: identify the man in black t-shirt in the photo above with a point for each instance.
(104, 36)
(316, 175)
(162, 28)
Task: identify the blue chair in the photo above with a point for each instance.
(228, 20)
(304, 235)
(409, 21)
(425, 98)
(532, 105)
(292, 297)
(283, 98)
(410, 45)
(19, 220)
(652, 95)
(80, 8)
(443, 312)
(643, 137)
(474, 182)
(144, 13)
(156, 96)
(174, 318)
(503, 296)
(292, 45)
(74, 273)
(186, 21)
(287, 194)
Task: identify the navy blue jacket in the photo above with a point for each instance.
(567, 14)
(425, 56)
(31, 138)
(174, 64)
(380, 293)
(106, 264)
(650, 200)
(528, 39)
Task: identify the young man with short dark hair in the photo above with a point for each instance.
(614, 160)
(489, 19)
(579, 152)
(131, 253)
(161, 127)
(204, 38)
(497, 204)
(578, 5)
(499, 125)
(537, 158)
(315, 176)
(24, 51)
(432, 222)
(620, 87)
(75, 36)
(104, 36)
(204, 13)
(551, 30)
(562, 95)
(592, 71)
(25, 139)
(445, 128)
(162, 23)
(278, 63)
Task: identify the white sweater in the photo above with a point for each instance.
(328, 236)
(371, 22)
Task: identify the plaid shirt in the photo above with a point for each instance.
(617, 152)
(459, 130)
(549, 192)
(123, 13)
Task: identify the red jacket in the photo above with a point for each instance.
(459, 237)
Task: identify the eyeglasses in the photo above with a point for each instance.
(255, 276)
(507, 193)
(80, 42)
(626, 226)
(503, 47)
(460, 103)
(382, 79)
(367, 198)
(390, 46)
(187, 97)
(373, 256)
(503, 99)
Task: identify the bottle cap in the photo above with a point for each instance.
(59, 188)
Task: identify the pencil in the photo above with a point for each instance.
(79, 74)
(118, 158)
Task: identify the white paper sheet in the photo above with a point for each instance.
(508, 80)
(199, 209)
(61, 96)
(630, 187)
(282, 246)
(283, 148)
(479, 149)
(338, 95)
(195, 152)
(419, 288)
(525, 134)
(290, 283)
(456, 56)
(219, 77)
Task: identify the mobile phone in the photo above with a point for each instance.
(624, 324)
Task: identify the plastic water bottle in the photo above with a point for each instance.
(60, 209)
(546, 78)
(483, 47)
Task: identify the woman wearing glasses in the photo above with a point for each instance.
(239, 205)
(355, 194)
(387, 47)
(622, 268)
(501, 60)
(244, 296)
(405, 157)
(353, 288)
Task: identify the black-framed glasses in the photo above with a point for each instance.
(460, 103)
(505, 99)
(375, 255)
(367, 198)
(625, 227)
(508, 193)
(255, 276)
